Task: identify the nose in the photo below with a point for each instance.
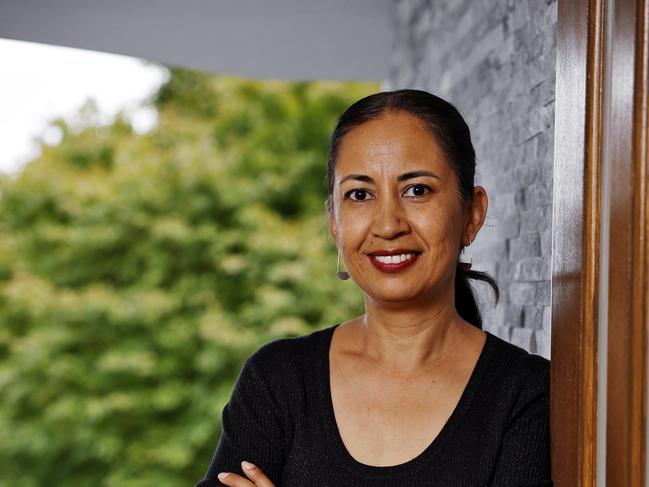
(390, 220)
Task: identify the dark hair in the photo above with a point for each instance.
(452, 134)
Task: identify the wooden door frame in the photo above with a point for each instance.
(601, 132)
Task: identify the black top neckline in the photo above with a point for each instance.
(334, 439)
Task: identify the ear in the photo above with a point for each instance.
(476, 213)
(331, 220)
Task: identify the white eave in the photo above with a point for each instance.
(272, 39)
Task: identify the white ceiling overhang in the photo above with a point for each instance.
(272, 39)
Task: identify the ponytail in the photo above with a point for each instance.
(465, 300)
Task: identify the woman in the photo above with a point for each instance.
(412, 392)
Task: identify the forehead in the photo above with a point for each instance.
(394, 142)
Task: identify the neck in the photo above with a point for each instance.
(404, 338)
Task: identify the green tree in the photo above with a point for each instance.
(137, 272)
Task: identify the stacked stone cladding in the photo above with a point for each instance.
(495, 61)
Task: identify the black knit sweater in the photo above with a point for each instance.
(280, 417)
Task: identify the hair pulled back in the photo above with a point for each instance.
(452, 134)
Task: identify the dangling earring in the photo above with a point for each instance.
(468, 262)
(344, 275)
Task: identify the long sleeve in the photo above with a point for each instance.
(252, 429)
(524, 458)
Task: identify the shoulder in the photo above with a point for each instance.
(518, 362)
(289, 359)
(282, 371)
(289, 349)
(524, 377)
(521, 416)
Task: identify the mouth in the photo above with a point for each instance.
(393, 260)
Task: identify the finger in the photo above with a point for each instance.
(255, 474)
(234, 480)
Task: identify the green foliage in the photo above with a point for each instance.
(137, 272)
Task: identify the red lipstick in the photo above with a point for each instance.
(384, 264)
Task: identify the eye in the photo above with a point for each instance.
(357, 194)
(417, 190)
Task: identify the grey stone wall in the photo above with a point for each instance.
(495, 61)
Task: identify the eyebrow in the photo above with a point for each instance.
(402, 177)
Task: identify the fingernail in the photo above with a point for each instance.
(247, 465)
(223, 475)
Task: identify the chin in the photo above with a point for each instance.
(393, 296)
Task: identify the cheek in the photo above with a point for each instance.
(352, 226)
(440, 229)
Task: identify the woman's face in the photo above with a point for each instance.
(394, 192)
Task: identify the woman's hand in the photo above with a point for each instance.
(256, 476)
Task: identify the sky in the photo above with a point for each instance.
(39, 83)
